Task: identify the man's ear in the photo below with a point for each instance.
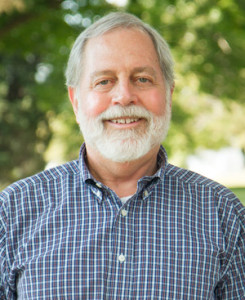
(74, 101)
(172, 90)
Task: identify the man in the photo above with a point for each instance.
(121, 222)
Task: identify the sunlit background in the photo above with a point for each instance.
(207, 38)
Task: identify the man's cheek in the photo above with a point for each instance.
(94, 106)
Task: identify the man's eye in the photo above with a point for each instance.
(104, 82)
(143, 80)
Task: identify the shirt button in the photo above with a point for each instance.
(124, 212)
(121, 258)
(146, 193)
(98, 185)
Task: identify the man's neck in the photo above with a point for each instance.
(122, 178)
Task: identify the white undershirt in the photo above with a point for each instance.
(125, 199)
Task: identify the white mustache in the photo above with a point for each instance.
(133, 111)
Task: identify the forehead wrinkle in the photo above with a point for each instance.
(147, 69)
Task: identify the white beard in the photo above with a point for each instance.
(126, 144)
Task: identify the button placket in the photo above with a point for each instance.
(122, 257)
(122, 247)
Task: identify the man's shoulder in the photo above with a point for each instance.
(208, 190)
(190, 178)
(187, 176)
(52, 176)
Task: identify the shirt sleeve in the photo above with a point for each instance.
(232, 285)
(5, 290)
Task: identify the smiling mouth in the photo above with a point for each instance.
(124, 120)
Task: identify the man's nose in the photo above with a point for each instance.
(124, 94)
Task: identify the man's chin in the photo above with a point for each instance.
(124, 150)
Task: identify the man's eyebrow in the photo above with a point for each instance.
(146, 69)
(100, 73)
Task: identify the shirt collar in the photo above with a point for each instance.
(86, 175)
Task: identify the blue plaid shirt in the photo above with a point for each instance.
(63, 235)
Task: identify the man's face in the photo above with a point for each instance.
(121, 101)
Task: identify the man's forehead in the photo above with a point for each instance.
(117, 31)
(107, 53)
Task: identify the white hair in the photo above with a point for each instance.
(111, 22)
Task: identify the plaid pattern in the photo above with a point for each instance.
(65, 236)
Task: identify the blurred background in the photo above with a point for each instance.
(207, 38)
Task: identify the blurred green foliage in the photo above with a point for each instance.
(240, 193)
(36, 120)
